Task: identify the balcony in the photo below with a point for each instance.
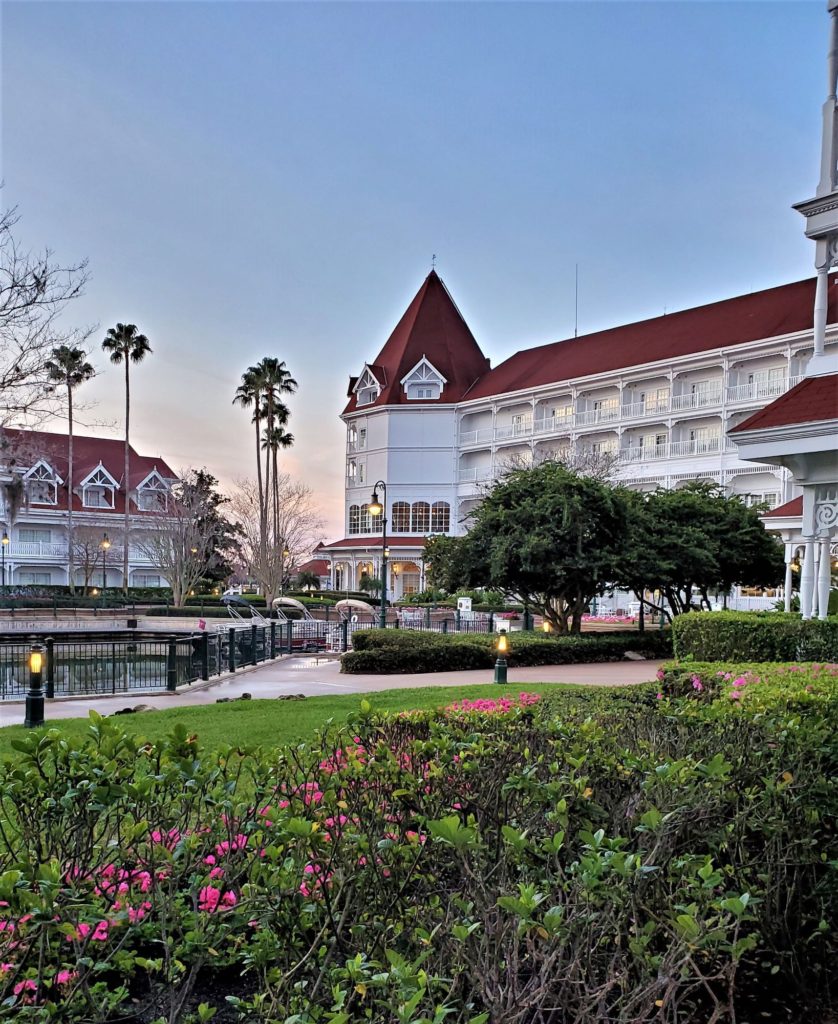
(482, 436)
(36, 549)
(635, 410)
(475, 474)
(644, 452)
(698, 399)
(553, 424)
(594, 416)
(701, 446)
(673, 449)
(761, 390)
(514, 430)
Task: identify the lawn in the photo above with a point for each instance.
(271, 723)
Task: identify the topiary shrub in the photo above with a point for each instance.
(754, 636)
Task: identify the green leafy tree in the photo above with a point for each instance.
(307, 580)
(68, 367)
(547, 535)
(124, 344)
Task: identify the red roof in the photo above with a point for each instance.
(319, 566)
(375, 542)
(27, 447)
(786, 309)
(788, 511)
(432, 327)
(812, 400)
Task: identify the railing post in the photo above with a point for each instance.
(171, 667)
(253, 658)
(344, 636)
(231, 649)
(491, 622)
(445, 625)
(457, 620)
(113, 668)
(50, 687)
(204, 656)
(428, 617)
(273, 639)
(290, 647)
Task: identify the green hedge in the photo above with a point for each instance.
(754, 636)
(394, 650)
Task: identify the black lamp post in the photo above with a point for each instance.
(104, 545)
(35, 695)
(5, 544)
(502, 647)
(379, 508)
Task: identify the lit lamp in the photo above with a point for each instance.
(104, 545)
(547, 628)
(35, 695)
(379, 508)
(502, 646)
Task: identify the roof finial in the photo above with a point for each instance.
(433, 262)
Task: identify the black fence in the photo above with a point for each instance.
(101, 666)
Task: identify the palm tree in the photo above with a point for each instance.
(124, 344)
(248, 393)
(276, 381)
(307, 580)
(69, 367)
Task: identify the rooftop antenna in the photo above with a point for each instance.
(433, 261)
(576, 306)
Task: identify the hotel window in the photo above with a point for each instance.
(562, 413)
(362, 438)
(653, 441)
(146, 580)
(706, 439)
(603, 447)
(98, 492)
(705, 392)
(35, 578)
(351, 471)
(656, 400)
(401, 517)
(41, 486)
(34, 535)
(767, 382)
(521, 423)
(607, 408)
(440, 517)
(420, 518)
(354, 519)
(420, 391)
(366, 520)
(361, 472)
(351, 436)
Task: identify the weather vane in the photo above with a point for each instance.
(433, 262)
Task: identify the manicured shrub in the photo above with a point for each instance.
(580, 861)
(404, 650)
(754, 636)
(751, 685)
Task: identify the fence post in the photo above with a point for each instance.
(428, 617)
(290, 647)
(253, 658)
(527, 620)
(231, 649)
(273, 639)
(491, 622)
(344, 636)
(171, 667)
(445, 625)
(113, 668)
(457, 620)
(204, 656)
(50, 688)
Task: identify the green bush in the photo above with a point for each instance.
(404, 650)
(582, 859)
(751, 685)
(754, 636)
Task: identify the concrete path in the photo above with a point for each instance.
(313, 676)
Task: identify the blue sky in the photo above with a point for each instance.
(255, 178)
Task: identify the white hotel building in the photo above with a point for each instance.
(430, 417)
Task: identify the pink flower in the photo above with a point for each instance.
(659, 696)
(65, 977)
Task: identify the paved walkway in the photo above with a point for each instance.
(314, 677)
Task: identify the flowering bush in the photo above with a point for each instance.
(502, 860)
(757, 684)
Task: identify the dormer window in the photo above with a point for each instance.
(98, 490)
(152, 493)
(368, 388)
(42, 485)
(424, 383)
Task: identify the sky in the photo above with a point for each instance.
(251, 179)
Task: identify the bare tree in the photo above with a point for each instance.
(183, 534)
(87, 553)
(35, 290)
(298, 525)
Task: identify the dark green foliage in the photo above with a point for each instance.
(406, 650)
(754, 636)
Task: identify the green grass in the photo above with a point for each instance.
(272, 723)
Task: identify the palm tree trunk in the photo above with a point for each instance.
(70, 552)
(126, 484)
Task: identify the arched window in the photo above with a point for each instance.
(440, 517)
(366, 524)
(354, 519)
(401, 517)
(420, 519)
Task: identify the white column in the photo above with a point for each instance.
(815, 565)
(807, 578)
(821, 297)
(823, 578)
(788, 581)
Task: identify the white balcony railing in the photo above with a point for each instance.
(644, 453)
(761, 389)
(698, 399)
(35, 549)
(589, 416)
(475, 474)
(701, 446)
(522, 429)
(480, 436)
(634, 409)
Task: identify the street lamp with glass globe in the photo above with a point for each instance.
(379, 508)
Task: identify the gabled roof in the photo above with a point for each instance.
(788, 511)
(375, 543)
(88, 452)
(812, 400)
(432, 327)
(786, 309)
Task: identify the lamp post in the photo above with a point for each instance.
(502, 647)
(105, 544)
(35, 695)
(5, 544)
(379, 508)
